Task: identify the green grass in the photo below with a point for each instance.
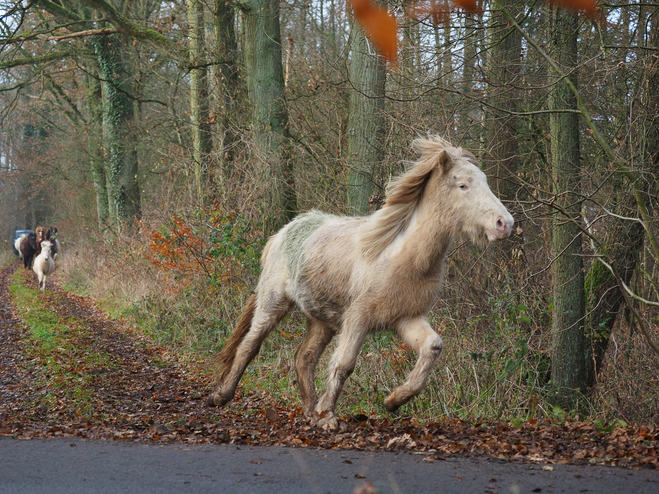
(59, 348)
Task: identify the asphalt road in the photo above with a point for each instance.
(70, 465)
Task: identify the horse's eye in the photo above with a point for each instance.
(463, 186)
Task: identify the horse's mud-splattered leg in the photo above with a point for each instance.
(341, 366)
(419, 335)
(269, 312)
(306, 359)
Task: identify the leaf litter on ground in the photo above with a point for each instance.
(135, 390)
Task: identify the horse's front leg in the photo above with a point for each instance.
(340, 367)
(419, 335)
(306, 359)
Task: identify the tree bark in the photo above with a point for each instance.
(568, 373)
(118, 116)
(366, 122)
(504, 72)
(226, 84)
(265, 86)
(97, 166)
(199, 100)
(468, 73)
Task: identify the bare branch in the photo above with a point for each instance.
(79, 34)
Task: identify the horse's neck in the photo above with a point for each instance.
(425, 244)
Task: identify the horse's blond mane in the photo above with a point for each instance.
(403, 195)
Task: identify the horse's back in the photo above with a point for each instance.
(314, 256)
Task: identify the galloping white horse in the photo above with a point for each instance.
(354, 275)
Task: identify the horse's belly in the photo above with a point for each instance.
(328, 308)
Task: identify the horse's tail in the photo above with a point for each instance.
(224, 359)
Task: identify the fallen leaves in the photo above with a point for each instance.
(401, 442)
(148, 395)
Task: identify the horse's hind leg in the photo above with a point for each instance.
(419, 335)
(269, 311)
(306, 358)
(341, 366)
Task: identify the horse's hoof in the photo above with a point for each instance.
(390, 405)
(215, 400)
(328, 423)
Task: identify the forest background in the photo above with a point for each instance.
(168, 140)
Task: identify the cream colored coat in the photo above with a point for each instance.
(354, 275)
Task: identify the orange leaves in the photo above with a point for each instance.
(381, 26)
(219, 250)
(590, 7)
(468, 5)
(399, 358)
(177, 251)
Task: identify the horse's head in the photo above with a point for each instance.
(460, 192)
(51, 233)
(40, 232)
(46, 249)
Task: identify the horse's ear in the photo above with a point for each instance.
(445, 161)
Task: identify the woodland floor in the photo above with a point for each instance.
(140, 392)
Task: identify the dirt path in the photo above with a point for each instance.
(138, 390)
(141, 393)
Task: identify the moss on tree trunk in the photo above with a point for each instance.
(265, 85)
(118, 116)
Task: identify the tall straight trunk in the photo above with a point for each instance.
(118, 116)
(226, 84)
(408, 51)
(334, 50)
(503, 78)
(366, 123)
(97, 167)
(468, 72)
(199, 99)
(625, 239)
(265, 86)
(651, 100)
(447, 58)
(568, 371)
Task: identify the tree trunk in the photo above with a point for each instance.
(226, 84)
(199, 104)
(265, 85)
(568, 373)
(118, 115)
(503, 78)
(623, 244)
(468, 72)
(366, 123)
(97, 167)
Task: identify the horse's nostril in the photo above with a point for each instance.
(499, 223)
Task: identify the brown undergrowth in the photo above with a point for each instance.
(185, 279)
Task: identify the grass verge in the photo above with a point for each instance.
(61, 349)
